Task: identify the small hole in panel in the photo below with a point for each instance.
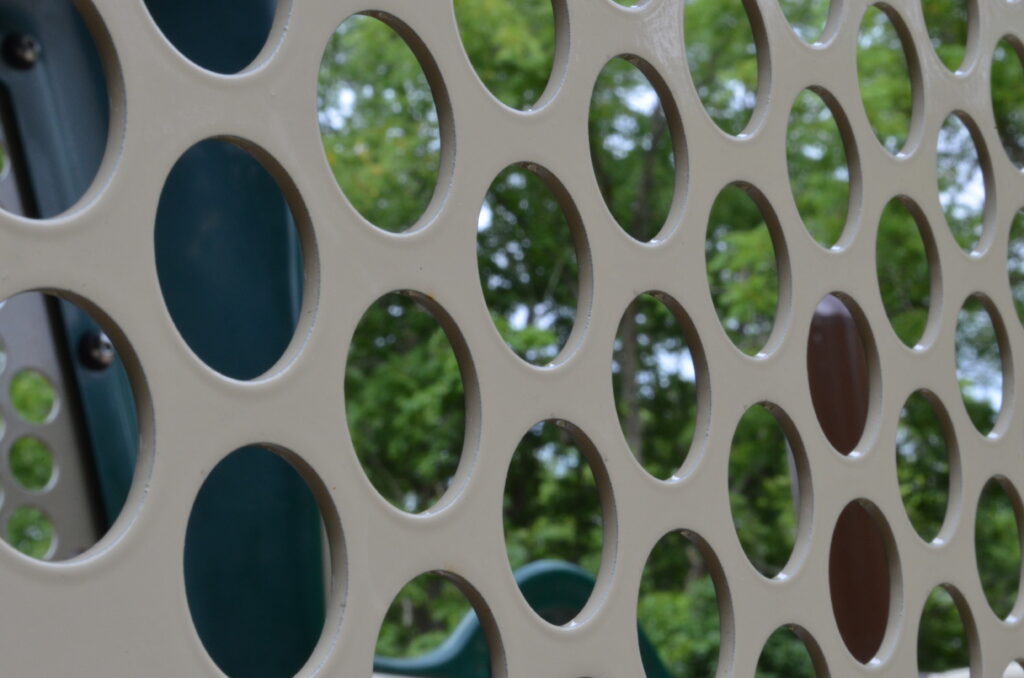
(818, 171)
(553, 508)
(884, 74)
(253, 564)
(229, 259)
(33, 396)
(762, 491)
(1015, 264)
(838, 372)
(922, 465)
(941, 639)
(223, 36)
(979, 364)
(961, 182)
(631, 147)
(904, 272)
(405, 402)
(429, 616)
(997, 544)
(378, 123)
(1007, 101)
(947, 22)
(678, 611)
(722, 57)
(807, 17)
(511, 45)
(31, 463)
(858, 569)
(785, 656)
(742, 269)
(31, 531)
(653, 372)
(528, 263)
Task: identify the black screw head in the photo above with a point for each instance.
(21, 50)
(96, 351)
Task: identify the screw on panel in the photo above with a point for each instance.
(96, 351)
(21, 50)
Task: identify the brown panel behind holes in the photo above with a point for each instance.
(858, 566)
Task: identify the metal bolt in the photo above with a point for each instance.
(96, 351)
(21, 50)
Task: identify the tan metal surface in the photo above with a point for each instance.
(120, 609)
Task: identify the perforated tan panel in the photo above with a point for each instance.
(120, 609)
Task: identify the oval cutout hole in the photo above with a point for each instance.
(378, 123)
(678, 617)
(979, 364)
(722, 57)
(742, 269)
(997, 544)
(528, 263)
(762, 491)
(904, 271)
(511, 46)
(653, 370)
(923, 465)
(253, 564)
(553, 507)
(405, 402)
(942, 643)
(858, 568)
(631, 147)
(884, 73)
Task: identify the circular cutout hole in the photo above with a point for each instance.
(961, 182)
(884, 74)
(678, 614)
(858, 568)
(54, 136)
(818, 170)
(511, 46)
(838, 369)
(742, 269)
(653, 370)
(33, 396)
(228, 259)
(221, 36)
(923, 465)
(785, 655)
(997, 545)
(942, 643)
(554, 506)
(31, 463)
(904, 272)
(405, 401)
(807, 17)
(379, 123)
(723, 60)
(1007, 102)
(254, 561)
(429, 613)
(763, 490)
(1015, 264)
(632, 147)
(979, 364)
(526, 234)
(82, 440)
(948, 23)
(31, 531)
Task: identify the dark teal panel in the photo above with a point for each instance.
(255, 594)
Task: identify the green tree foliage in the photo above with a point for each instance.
(404, 392)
